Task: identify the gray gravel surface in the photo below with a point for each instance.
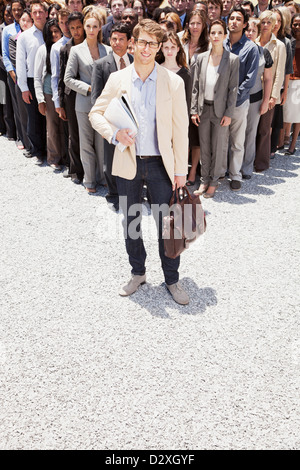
(83, 368)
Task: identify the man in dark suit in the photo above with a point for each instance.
(261, 6)
(116, 7)
(67, 96)
(116, 60)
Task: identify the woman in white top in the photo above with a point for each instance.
(78, 77)
(56, 148)
(214, 95)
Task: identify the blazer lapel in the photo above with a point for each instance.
(126, 88)
(203, 70)
(223, 64)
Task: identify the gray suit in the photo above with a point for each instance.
(101, 72)
(80, 64)
(212, 136)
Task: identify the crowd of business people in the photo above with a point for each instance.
(240, 65)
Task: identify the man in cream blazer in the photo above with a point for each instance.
(157, 156)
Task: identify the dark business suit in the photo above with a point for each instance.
(67, 101)
(106, 29)
(101, 72)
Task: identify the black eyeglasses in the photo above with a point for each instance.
(128, 16)
(143, 43)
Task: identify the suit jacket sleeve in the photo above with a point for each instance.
(180, 124)
(98, 121)
(72, 72)
(61, 83)
(233, 86)
(195, 89)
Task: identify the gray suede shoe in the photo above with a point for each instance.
(132, 285)
(178, 293)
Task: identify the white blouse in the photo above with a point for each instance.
(211, 80)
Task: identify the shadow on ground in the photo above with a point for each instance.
(157, 300)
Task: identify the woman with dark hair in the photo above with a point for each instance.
(291, 108)
(78, 77)
(175, 19)
(139, 8)
(53, 9)
(171, 56)
(194, 41)
(43, 91)
(214, 93)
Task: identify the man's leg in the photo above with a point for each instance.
(36, 125)
(112, 195)
(130, 195)
(160, 191)
(237, 132)
(251, 131)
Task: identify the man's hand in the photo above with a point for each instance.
(27, 96)
(62, 114)
(225, 121)
(179, 181)
(195, 119)
(13, 76)
(42, 108)
(125, 136)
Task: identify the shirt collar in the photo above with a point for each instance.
(272, 39)
(152, 76)
(241, 41)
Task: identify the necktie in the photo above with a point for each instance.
(122, 63)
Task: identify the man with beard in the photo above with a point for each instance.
(116, 7)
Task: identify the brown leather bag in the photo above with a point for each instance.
(184, 224)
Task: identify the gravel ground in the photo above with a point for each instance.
(83, 368)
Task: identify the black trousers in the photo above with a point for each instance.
(12, 89)
(76, 168)
(36, 125)
(8, 113)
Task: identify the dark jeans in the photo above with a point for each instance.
(150, 171)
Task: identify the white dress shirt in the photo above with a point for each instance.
(117, 60)
(54, 61)
(28, 43)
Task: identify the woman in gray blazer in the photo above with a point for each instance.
(214, 93)
(78, 77)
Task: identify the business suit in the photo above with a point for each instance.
(212, 135)
(80, 64)
(106, 29)
(156, 171)
(67, 99)
(101, 72)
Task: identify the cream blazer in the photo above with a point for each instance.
(171, 118)
(278, 52)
